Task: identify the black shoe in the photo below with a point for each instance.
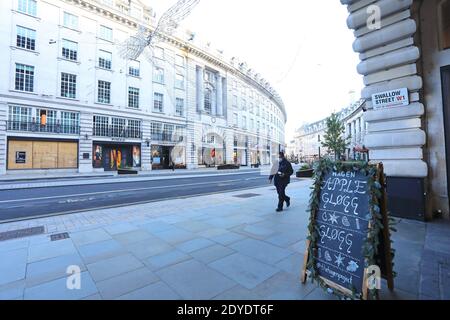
(279, 210)
(288, 203)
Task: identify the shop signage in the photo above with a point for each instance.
(118, 139)
(343, 224)
(21, 157)
(392, 98)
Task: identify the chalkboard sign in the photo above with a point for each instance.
(343, 224)
(347, 208)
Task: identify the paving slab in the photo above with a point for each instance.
(148, 248)
(134, 236)
(126, 283)
(156, 291)
(202, 282)
(57, 290)
(51, 269)
(51, 249)
(212, 253)
(93, 252)
(194, 245)
(284, 286)
(89, 236)
(13, 265)
(108, 268)
(261, 250)
(166, 259)
(246, 271)
(12, 290)
(175, 236)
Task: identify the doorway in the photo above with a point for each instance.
(445, 76)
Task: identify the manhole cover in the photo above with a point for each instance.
(247, 195)
(59, 236)
(21, 233)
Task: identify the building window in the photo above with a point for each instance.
(244, 122)
(68, 85)
(179, 107)
(26, 38)
(158, 75)
(134, 68)
(134, 129)
(179, 60)
(158, 102)
(104, 92)
(69, 50)
(24, 78)
(70, 21)
(101, 127)
(118, 126)
(251, 108)
(133, 97)
(158, 53)
(19, 118)
(105, 33)
(445, 25)
(179, 81)
(104, 59)
(244, 104)
(235, 101)
(156, 130)
(70, 122)
(27, 6)
(235, 119)
(208, 100)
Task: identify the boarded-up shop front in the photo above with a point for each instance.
(42, 154)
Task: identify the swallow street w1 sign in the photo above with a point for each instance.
(392, 98)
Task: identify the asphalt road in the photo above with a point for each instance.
(38, 202)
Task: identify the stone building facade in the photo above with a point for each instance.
(69, 101)
(405, 44)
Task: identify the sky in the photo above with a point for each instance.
(302, 47)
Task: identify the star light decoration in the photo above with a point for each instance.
(132, 48)
(333, 218)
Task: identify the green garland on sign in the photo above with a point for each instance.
(370, 247)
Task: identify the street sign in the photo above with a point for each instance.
(392, 98)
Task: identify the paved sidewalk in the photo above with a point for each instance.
(209, 247)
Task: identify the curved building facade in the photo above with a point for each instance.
(70, 102)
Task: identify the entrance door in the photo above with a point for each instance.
(445, 73)
(165, 158)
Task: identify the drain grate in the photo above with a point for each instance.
(247, 195)
(59, 236)
(21, 233)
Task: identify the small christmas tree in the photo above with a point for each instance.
(334, 138)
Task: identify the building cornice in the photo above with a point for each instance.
(129, 21)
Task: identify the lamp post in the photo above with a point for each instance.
(318, 140)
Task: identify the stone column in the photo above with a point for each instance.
(146, 148)
(199, 88)
(3, 117)
(224, 97)
(219, 100)
(229, 143)
(85, 145)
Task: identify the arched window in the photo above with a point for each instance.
(444, 24)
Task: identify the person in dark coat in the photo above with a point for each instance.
(281, 180)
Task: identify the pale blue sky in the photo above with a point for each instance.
(302, 47)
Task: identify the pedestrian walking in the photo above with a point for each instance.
(281, 177)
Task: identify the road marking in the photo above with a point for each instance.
(117, 191)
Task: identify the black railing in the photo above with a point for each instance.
(37, 127)
(117, 132)
(166, 137)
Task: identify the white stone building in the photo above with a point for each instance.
(70, 102)
(405, 44)
(309, 137)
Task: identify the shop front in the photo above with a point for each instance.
(211, 156)
(42, 154)
(114, 156)
(240, 157)
(165, 157)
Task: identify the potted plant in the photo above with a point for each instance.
(305, 171)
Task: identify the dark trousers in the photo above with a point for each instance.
(282, 197)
